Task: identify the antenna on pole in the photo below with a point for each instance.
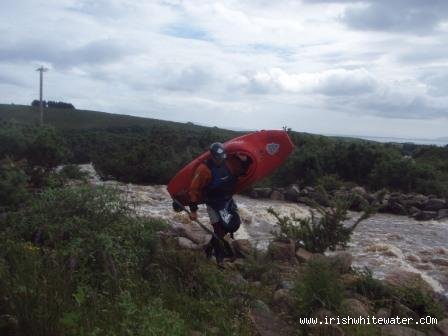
(41, 80)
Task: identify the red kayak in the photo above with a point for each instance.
(267, 150)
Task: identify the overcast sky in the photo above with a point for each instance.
(370, 67)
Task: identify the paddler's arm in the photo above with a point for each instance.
(201, 178)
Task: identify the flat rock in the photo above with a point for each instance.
(303, 255)
(266, 323)
(355, 308)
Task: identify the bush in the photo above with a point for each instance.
(13, 184)
(319, 287)
(319, 232)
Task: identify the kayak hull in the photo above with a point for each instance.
(266, 149)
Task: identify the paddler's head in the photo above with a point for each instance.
(218, 153)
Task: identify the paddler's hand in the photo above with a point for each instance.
(193, 215)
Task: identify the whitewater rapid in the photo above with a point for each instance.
(383, 243)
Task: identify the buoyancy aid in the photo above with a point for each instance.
(222, 185)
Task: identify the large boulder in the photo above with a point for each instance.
(266, 323)
(355, 308)
(283, 301)
(442, 213)
(282, 251)
(292, 192)
(277, 195)
(242, 247)
(303, 255)
(425, 215)
(434, 204)
(262, 192)
(402, 278)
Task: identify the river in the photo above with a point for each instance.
(382, 243)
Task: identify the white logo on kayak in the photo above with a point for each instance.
(272, 148)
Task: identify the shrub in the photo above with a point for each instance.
(319, 232)
(13, 184)
(319, 287)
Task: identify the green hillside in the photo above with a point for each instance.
(85, 119)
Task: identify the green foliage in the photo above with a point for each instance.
(330, 182)
(419, 301)
(47, 149)
(73, 172)
(75, 262)
(141, 150)
(321, 231)
(319, 287)
(373, 289)
(13, 184)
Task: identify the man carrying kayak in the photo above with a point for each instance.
(214, 181)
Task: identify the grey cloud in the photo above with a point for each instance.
(393, 106)
(408, 16)
(12, 80)
(61, 55)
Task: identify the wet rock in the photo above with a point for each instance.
(396, 207)
(286, 284)
(383, 313)
(277, 196)
(266, 323)
(282, 251)
(187, 244)
(305, 200)
(412, 258)
(263, 192)
(401, 278)
(303, 255)
(355, 308)
(348, 280)
(425, 215)
(282, 301)
(439, 261)
(396, 330)
(441, 250)
(401, 310)
(292, 193)
(442, 213)
(319, 197)
(242, 247)
(434, 204)
(413, 211)
(415, 200)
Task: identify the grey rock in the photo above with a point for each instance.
(263, 192)
(303, 255)
(442, 213)
(292, 192)
(434, 204)
(277, 196)
(425, 215)
(355, 308)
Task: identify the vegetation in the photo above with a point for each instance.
(319, 232)
(143, 150)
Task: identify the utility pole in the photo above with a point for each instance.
(41, 82)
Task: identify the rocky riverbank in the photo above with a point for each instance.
(418, 206)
